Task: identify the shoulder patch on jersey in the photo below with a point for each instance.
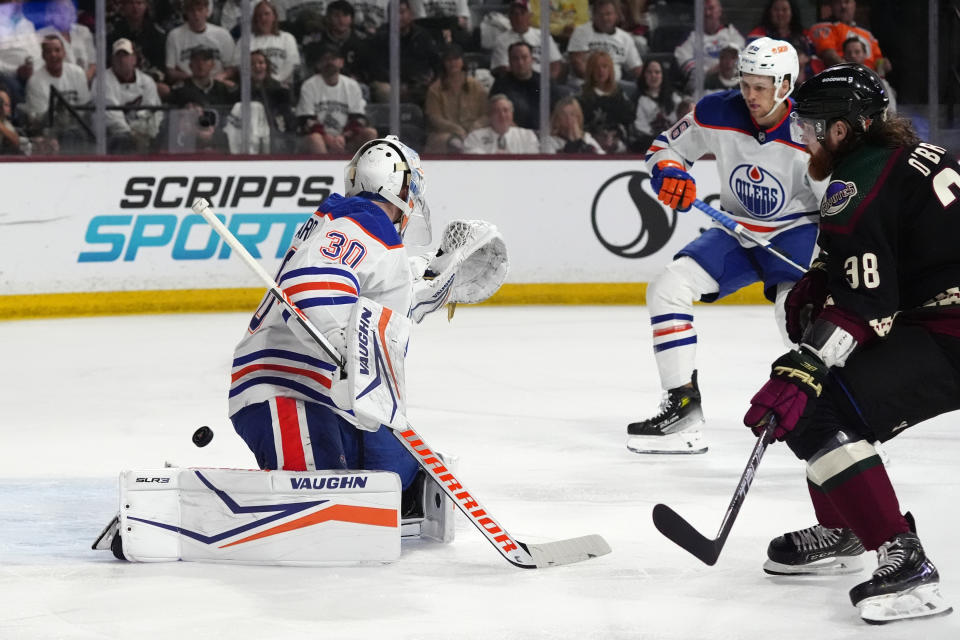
(838, 195)
(758, 190)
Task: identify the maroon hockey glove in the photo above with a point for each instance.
(796, 381)
(805, 301)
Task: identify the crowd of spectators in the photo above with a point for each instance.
(320, 73)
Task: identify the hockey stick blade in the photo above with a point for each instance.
(560, 552)
(670, 524)
(519, 554)
(682, 533)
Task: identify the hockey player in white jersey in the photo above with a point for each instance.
(287, 399)
(764, 187)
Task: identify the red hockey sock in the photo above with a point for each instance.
(863, 501)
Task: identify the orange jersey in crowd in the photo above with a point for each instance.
(831, 35)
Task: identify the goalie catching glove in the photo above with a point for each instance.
(469, 267)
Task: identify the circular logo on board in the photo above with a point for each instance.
(629, 221)
(758, 190)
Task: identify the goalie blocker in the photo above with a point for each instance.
(270, 517)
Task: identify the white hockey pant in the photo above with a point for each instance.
(780, 311)
(670, 300)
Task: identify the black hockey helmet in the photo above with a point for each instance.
(849, 92)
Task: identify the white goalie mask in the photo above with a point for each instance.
(775, 58)
(388, 169)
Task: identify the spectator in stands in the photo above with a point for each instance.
(636, 18)
(135, 23)
(13, 142)
(726, 75)
(456, 105)
(447, 20)
(300, 17)
(202, 87)
(332, 109)
(810, 65)
(279, 46)
(337, 31)
(603, 34)
(502, 136)
(419, 60)
(70, 82)
(565, 16)
(196, 34)
(277, 101)
(828, 38)
(567, 134)
(780, 20)
(522, 85)
(717, 35)
(204, 101)
(61, 16)
(369, 16)
(656, 105)
(606, 108)
(19, 47)
(854, 50)
(520, 30)
(125, 86)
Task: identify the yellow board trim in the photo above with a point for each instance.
(56, 305)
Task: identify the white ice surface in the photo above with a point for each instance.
(533, 400)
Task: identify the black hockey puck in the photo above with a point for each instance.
(202, 436)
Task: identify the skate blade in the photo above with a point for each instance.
(836, 566)
(924, 601)
(684, 442)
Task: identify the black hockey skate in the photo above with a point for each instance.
(905, 585)
(674, 429)
(816, 550)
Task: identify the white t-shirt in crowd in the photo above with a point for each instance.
(515, 140)
(370, 13)
(501, 57)
(331, 105)
(280, 49)
(72, 85)
(18, 41)
(712, 46)
(141, 92)
(618, 44)
(181, 41)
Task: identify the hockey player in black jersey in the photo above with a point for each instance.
(877, 318)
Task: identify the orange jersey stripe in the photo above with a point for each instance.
(680, 327)
(313, 375)
(319, 286)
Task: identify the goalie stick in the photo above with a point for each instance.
(743, 232)
(520, 554)
(681, 532)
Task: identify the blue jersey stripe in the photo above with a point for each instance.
(674, 343)
(282, 382)
(323, 302)
(283, 353)
(319, 271)
(671, 316)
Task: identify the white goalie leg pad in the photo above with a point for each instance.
(376, 351)
(260, 517)
(438, 522)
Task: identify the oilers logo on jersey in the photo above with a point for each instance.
(758, 190)
(837, 197)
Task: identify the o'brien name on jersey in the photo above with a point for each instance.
(329, 482)
(757, 190)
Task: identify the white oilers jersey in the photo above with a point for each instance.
(763, 172)
(348, 248)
